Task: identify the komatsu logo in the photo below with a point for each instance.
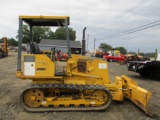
(41, 69)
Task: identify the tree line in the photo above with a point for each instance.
(39, 33)
(59, 34)
(107, 47)
(11, 42)
(42, 33)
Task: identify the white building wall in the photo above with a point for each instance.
(158, 56)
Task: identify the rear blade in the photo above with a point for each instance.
(136, 94)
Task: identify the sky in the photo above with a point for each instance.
(103, 19)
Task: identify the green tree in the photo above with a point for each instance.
(142, 54)
(12, 42)
(26, 33)
(37, 32)
(60, 34)
(150, 54)
(121, 49)
(51, 35)
(41, 33)
(105, 47)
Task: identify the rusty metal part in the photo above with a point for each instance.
(134, 57)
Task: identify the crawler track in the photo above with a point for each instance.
(69, 108)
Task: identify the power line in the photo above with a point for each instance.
(133, 29)
(151, 4)
(129, 10)
(133, 9)
(115, 21)
(129, 32)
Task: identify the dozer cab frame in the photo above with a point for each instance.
(79, 84)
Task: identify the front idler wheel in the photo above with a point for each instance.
(33, 97)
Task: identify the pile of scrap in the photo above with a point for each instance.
(133, 57)
(97, 53)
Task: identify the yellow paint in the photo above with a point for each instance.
(96, 74)
(43, 17)
(69, 101)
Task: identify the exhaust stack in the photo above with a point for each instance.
(84, 42)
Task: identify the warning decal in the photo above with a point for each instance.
(102, 66)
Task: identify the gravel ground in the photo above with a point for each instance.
(11, 88)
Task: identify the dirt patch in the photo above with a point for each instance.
(11, 88)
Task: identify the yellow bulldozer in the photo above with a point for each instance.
(80, 83)
(3, 48)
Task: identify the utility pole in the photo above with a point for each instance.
(87, 41)
(156, 55)
(94, 43)
(138, 52)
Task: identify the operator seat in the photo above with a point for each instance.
(34, 48)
